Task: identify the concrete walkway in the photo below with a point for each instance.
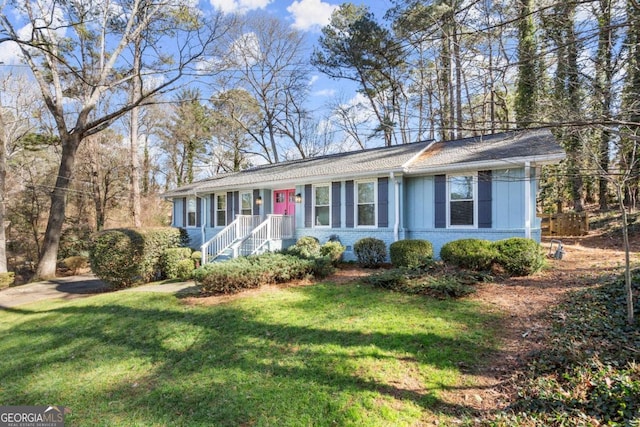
(80, 286)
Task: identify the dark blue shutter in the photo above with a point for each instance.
(383, 202)
(236, 204)
(335, 205)
(484, 199)
(184, 211)
(256, 207)
(348, 188)
(440, 205)
(198, 211)
(212, 210)
(229, 208)
(308, 206)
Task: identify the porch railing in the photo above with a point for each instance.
(275, 227)
(237, 230)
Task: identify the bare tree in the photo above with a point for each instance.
(77, 53)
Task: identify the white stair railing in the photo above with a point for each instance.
(237, 230)
(275, 227)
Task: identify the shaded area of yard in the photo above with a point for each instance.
(324, 355)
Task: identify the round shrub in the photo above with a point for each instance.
(333, 250)
(370, 252)
(184, 269)
(7, 279)
(519, 256)
(474, 254)
(123, 257)
(305, 247)
(171, 257)
(410, 253)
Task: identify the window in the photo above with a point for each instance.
(366, 200)
(321, 205)
(246, 204)
(192, 208)
(221, 210)
(462, 195)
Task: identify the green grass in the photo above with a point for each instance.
(316, 355)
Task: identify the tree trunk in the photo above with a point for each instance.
(3, 191)
(48, 257)
(136, 208)
(627, 261)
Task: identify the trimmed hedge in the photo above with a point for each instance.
(474, 254)
(170, 259)
(251, 272)
(184, 269)
(333, 250)
(306, 247)
(124, 257)
(410, 253)
(519, 256)
(370, 252)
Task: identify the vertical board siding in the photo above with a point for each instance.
(335, 205)
(308, 206)
(348, 189)
(485, 202)
(440, 196)
(383, 202)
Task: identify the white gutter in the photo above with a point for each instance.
(396, 224)
(527, 200)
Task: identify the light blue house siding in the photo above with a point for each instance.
(343, 224)
(507, 210)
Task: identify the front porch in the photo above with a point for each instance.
(249, 235)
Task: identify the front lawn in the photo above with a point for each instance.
(315, 355)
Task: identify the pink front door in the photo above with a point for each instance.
(284, 202)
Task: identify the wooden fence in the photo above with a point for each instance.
(565, 224)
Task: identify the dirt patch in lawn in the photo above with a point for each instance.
(527, 305)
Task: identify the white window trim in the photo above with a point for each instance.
(313, 202)
(195, 212)
(250, 193)
(218, 210)
(375, 203)
(474, 175)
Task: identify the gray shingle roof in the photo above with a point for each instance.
(531, 144)
(408, 158)
(351, 163)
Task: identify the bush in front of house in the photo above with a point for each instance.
(333, 250)
(410, 253)
(474, 254)
(370, 252)
(519, 256)
(251, 272)
(184, 269)
(170, 259)
(306, 247)
(124, 257)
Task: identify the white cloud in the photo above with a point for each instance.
(325, 92)
(313, 79)
(239, 6)
(310, 13)
(10, 53)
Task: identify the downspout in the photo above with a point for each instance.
(203, 209)
(396, 224)
(527, 200)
